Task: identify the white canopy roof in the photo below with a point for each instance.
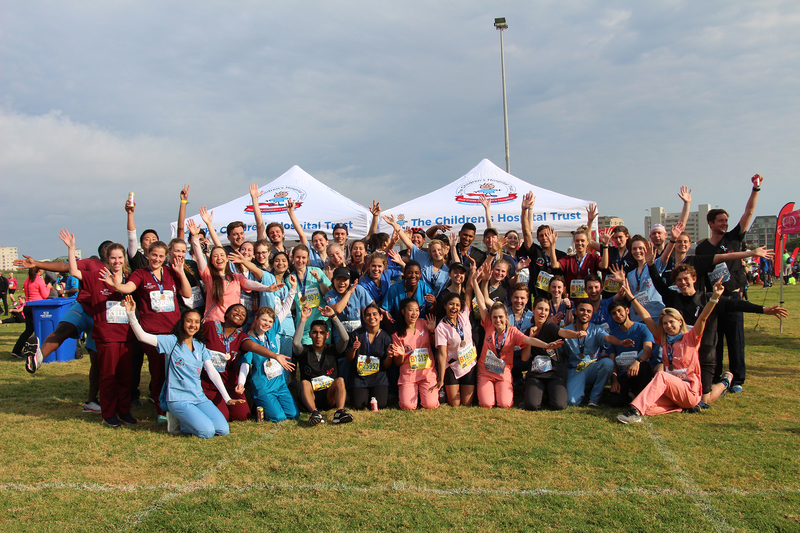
(459, 202)
(317, 206)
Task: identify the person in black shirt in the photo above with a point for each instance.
(722, 241)
(539, 259)
(318, 365)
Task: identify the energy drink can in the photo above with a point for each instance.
(260, 414)
(130, 202)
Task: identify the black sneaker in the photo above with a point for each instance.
(112, 421)
(703, 405)
(128, 419)
(631, 417)
(316, 418)
(342, 417)
(693, 410)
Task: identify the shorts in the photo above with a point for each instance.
(83, 324)
(470, 378)
(321, 400)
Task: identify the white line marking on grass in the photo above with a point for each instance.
(185, 488)
(693, 490)
(194, 485)
(40, 400)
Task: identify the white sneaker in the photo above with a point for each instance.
(173, 424)
(91, 407)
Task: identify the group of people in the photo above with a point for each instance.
(262, 329)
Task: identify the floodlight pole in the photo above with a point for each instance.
(500, 24)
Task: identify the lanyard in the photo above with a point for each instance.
(302, 284)
(580, 265)
(638, 278)
(435, 277)
(669, 353)
(500, 345)
(456, 326)
(582, 345)
(369, 344)
(225, 340)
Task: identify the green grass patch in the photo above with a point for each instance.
(734, 467)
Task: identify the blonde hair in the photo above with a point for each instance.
(674, 313)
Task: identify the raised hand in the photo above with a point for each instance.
(356, 344)
(757, 179)
(316, 275)
(591, 211)
(185, 193)
(293, 281)
(275, 287)
(305, 312)
(430, 323)
(192, 227)
(290, 205)
(676, 231)
(236, 258)
(649, 253)
(685, 194)
(375, 209)
(763, 252)
(129, 304)
(618, 272)
(486, 202)
(389, 219)
(67, 237)
(528, 200)
(523, 263)
(177, 263)
(254, 192)
(327, 311)
(719, 288)
(28, 262)
(206, 215)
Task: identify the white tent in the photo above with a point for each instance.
(459, 202)
(317, 207)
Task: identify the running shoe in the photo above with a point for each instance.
(736, 389)
(316, 418)
(127, 419)
(693, 410)
(162, 419)
(703, 405)
(593, 404)
(112, 421)
(342, 417)
(631, 417)
(173, 424)
(91, 407)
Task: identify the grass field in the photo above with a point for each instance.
(733, 468)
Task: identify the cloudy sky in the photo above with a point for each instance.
(618, 102)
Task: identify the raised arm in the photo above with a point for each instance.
(182, 210)
(184, 287)
(261, 230)
(686, 196)
(298, 227)
(376, 218)
(639, 308)
(297, 340)
(197, 251)
(69, 239)
(750, 208)
(700, 323)
(406, 240)
(208, 217)
(551, 250)
(344, 338)
(50, 266)
(133, 243)
(286, 305)
(528, 202)
(674, 233)
(142, 335)
(486, 202)
(758, 252)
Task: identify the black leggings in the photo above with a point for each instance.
(361, 396)
(535, 389)
(17, 350)
(16, 318)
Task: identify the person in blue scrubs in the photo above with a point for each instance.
(188, 408)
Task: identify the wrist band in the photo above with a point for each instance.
(712, 300)
(184, 201)
(756, 189)
(673, 242)
(639, 360)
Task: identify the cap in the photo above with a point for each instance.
(418, 231)
(341, 272)
(487, 231)
(341, 225)
(658, 226)
(458, 265)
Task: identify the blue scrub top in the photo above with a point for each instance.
(183, 368)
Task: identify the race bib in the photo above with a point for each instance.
(247, 301)
(115, 313)
(543, 280)
(584, 364)
(162, 302)
(577, 289)
(626, 359)
(272, 370)
(219, 360)
(524, 276)
(542, 363)
(611, 285)
(419, 359)
(643, 298)
(196, 299)
(679, 373)
(312, 297)
(321, 382)
(493, 363)
(466, 356)
(351, 325)
(674, 288)
(720, 272)
(366, 367)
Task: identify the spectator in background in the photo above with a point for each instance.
(35, 289)
(4, 292)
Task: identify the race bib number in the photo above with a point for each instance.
(115, 313)
(419, 359)
(321, 382)
(626, 359)
(541, 363)
(720, 272)
(466, 356)
(679, 373)
(367, 366)
(611, 285)
(493, 363)
(577, 289)
(219, 360)
(272, 370)
(312, 297)
(543, 280)
(162, 302)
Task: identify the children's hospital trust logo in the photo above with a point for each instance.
(497, 191)
(277, 199)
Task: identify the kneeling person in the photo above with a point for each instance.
(320, 381)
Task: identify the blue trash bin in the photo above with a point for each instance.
(46, 316)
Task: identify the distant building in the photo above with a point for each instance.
(697, 225)
(8, 254)
(607, 222)
(762, 231)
